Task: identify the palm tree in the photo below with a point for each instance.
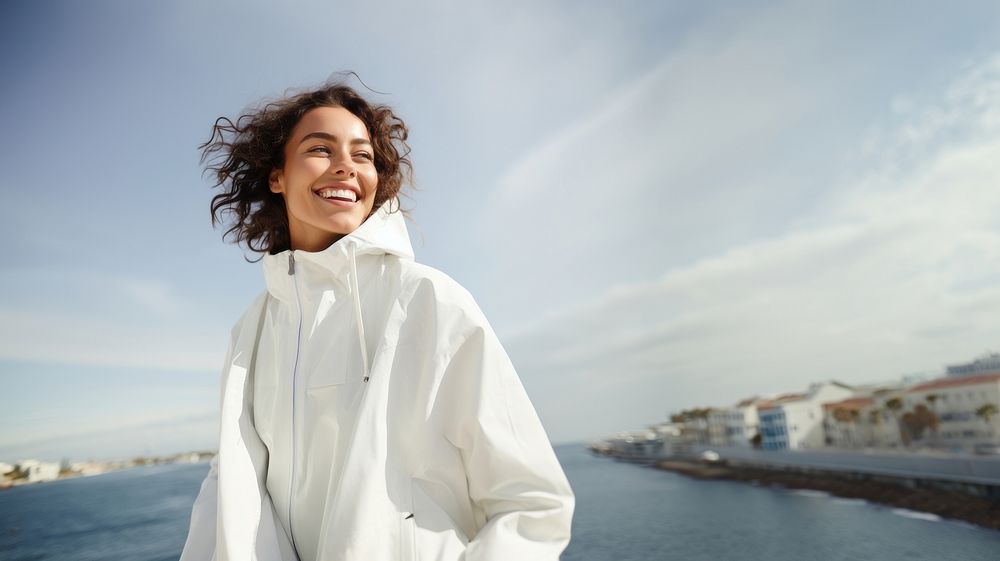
(874, 416)
(894, 405)
(986, 412)
(874, 420)
(932, 400)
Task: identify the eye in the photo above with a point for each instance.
(318, 149)
(365, 155)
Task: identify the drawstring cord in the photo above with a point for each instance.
(357, 308)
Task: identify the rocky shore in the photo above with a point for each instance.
(981, 511)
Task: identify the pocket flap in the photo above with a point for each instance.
(328, 375)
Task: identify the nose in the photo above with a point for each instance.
(343, 165)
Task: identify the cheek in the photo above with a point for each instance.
(371, 179)
(304, 173)
(313, 168)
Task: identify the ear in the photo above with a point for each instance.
(276, 181)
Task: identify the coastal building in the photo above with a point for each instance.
(883, 416)
(90, 468)
(988, 363)
(867, 419)
(957, 413)
(742, 422)
(642, 444)
(717, 425)
(795, 421)
(36, 471)
(668, 433)
(694, 431)
(849, 423)
(734, 426)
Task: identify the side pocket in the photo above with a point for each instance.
(436, 534)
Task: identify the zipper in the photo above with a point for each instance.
(295, 368)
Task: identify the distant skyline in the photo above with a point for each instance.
(657, 205)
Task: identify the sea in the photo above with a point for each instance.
(624, 512)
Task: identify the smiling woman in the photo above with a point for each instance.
(369, 410)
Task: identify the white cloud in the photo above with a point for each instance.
(897, 272)
(667, 170)
(64, 338)
(120, 438)
(76, 316)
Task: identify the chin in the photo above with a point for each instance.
(343, 227)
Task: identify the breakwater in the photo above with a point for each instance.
(956, 486)
(915, 495)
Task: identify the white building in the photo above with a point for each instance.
(850, 423)
(743, 423)
(734, 426)
(39, 471)
(868, 419)
(668, 433)
(989, 363)
(795, 421)
(960, 408)
(718, 423)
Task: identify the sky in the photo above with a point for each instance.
(658, 205)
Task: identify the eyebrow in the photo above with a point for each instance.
(332, 138)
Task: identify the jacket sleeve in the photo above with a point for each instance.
(200, 543)
(514, 477)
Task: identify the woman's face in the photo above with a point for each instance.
(328, 180)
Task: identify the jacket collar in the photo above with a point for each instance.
(384, 232)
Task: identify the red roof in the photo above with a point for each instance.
(851, 403)
(957, 381)
(781, 399)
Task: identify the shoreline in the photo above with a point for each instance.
(105, 468)
(980, 511)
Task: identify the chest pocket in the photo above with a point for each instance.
(331, 353)
(326, 376)
(331, 361)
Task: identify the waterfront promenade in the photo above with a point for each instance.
(957, 468)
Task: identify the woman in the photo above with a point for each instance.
(369, 411)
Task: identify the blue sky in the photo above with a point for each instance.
(657, 204)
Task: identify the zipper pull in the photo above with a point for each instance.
(291, 263)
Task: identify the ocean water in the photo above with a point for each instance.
(627, 512)
(624, 513)
(139, 514)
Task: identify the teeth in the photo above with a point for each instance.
(341, 193)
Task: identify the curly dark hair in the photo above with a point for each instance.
(241, 155)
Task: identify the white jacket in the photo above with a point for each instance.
(385, 421)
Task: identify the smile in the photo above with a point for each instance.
(344, 195)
